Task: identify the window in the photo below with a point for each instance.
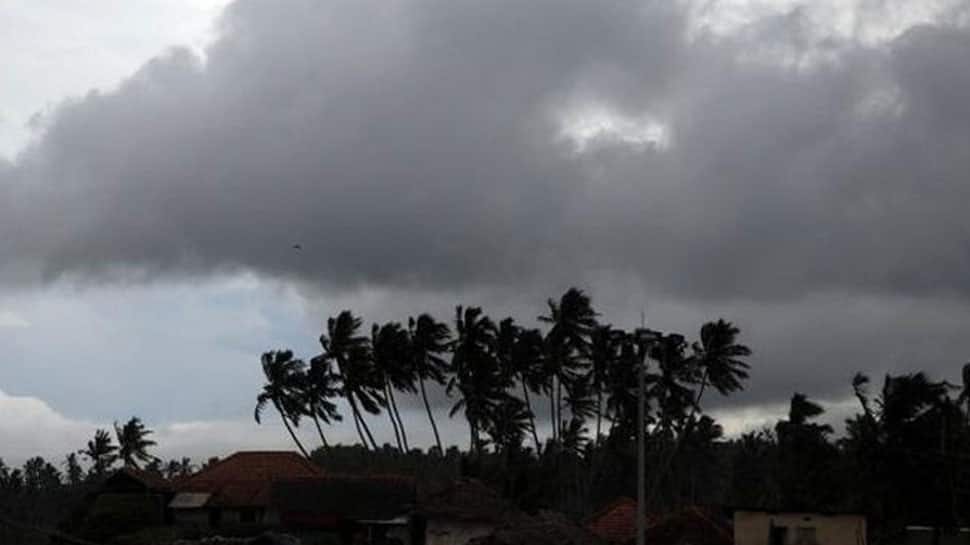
(778, 535)
(247, 516)
(805, 535)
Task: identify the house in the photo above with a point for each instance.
(798, 528)
(616, 523)
(372, 509)
(129, 499)
(546, 528)
(461, 511)
(691, 525)
(929, 535)
(237, 490)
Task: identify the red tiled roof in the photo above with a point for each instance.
(691, 525)
(616, 522)
(245, 478)
(149, 480)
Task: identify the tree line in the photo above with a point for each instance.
(496, 372)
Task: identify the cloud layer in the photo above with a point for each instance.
(801, 170)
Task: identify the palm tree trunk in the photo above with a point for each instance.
(427, 407)
(360, 432)
(323, 438)
(286, 423)
(390, 414)
(599, 414)
(552, 409)
(363, 423)
(665, 461)
(400, 421)
(532, 417)
(559, 407)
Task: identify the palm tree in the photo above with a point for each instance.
(508, 423)
(604, 351)
(100, 452)
(133, 442)
(282, 389)
(718, 355)
(428, 340)
(476, 374)
(571, 321)
(390, 346)
(320, 386)
(362, 385)
(519, 353)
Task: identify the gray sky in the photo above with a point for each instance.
(799, 168)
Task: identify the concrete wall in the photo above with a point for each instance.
(754, 528)
(452, 532)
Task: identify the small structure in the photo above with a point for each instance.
(463, 510)
(544, 529)
(128, 500)
(798, 528)
(689, 526)
(929, 535)
(237, 491)
(369, 509)
(615, 522)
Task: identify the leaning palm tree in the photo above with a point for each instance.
(133, 442)
(283, 390)
(719, 357)
(519, 353)
(427, 341)
(101, 452)
(320, 387)
(571, 320)
(475, 369)
(604, 352)
(391, 361)
(362, 385)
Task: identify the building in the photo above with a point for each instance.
(616, 523)
(129, 499)
(360, 509)
(791, 528)
(237, 491)
(463, 510)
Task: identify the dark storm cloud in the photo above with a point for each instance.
(418, 146)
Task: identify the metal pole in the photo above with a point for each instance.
(641, 448)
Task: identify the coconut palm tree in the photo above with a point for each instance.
(427, 341)
(320, 387)
(101, 452)
(390, 347)
(133, 442)
(604, 352)
(519, 353)
(283, 390)
(571, 320)
(719, 357)
(475, 370)
(362, 385)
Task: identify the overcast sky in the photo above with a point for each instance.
(799, 168)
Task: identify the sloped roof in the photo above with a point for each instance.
(545, 529)
(466, 499)
(691, 525)
(616, 521)
(372, 497)
(245, 478)
(148, 479)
